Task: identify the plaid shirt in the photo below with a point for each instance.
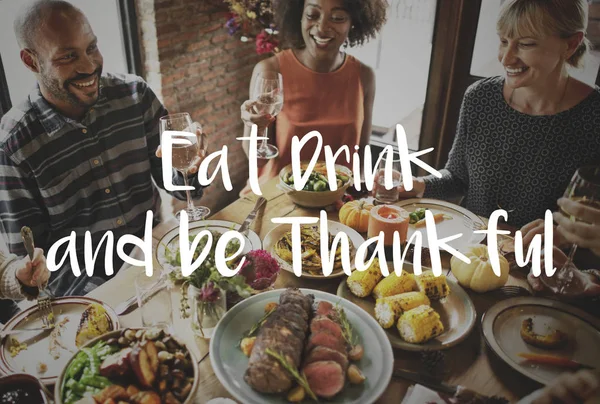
(58, 175)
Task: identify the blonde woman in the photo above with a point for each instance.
(521, 136)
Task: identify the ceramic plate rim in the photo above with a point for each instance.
(287, 267)
(174, 232)
(458, 208)
(491, 315)
(387, 351)
(19, 317)
(407, 346)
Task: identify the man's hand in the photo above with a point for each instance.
(195, 165)
(34, 273)
(585, 230)
(570, 388)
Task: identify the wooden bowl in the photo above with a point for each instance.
(116, 334)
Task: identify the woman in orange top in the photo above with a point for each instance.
(324, 88)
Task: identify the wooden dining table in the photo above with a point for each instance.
(470, 363)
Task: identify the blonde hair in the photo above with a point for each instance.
(564, 18)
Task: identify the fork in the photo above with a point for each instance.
(514, 291)
(44, 304)
(469, 223)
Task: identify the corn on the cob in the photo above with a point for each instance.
(394, 284)
(388, 309)
(420, 324)
(361, 283)
(435, 287)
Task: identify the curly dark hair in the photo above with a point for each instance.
(367, 16)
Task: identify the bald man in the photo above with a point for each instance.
(79, 154)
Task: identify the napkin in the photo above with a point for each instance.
(418, 394)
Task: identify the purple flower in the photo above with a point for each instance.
(260, 269)
(209, 292)
(232, 26)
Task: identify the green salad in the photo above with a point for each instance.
(208, 266)
(317, 182)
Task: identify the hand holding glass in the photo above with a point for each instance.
(585, 189)
(267, 97)
(185, 156)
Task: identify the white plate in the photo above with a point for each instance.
(334, 228)
(171, 239)
(463, 221)
(501, 326)
(456, 311)
(229, 363)
(38, 342)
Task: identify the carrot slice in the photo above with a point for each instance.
(438, 217)
(552, 360)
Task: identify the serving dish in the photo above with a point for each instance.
(229, 363)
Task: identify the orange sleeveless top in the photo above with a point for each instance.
(331, 103)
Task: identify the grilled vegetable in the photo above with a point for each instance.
(420, 324)
(362, 283)
(389, 309)
(394, 284)
(94, 322)
(435, 287)
(417, 215)
(552, 360)
(554, 340)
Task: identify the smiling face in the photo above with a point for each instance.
(325, 27)
(532, 60)
(69, 63)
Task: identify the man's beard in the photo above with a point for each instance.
(64, 92)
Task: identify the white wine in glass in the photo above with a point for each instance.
(185, 154)
(267, 94)
(585, 189)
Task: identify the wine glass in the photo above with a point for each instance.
(185, 154)
(267, 95)
(585, 189)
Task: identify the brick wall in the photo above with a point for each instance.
(195, 66)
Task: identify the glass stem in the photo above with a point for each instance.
(190, 204)
(263, 142)
(571, 255)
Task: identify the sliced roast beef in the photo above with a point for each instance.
(325, 378)
(284, 332)
(326, 339)
(322, 353)
(324, 323)
(324, 308)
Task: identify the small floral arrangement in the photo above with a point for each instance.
(260, 269)
(253, 21)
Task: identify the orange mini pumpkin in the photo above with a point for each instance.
(355, 214)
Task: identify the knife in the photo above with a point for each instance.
(427, 381)
(458, 392)
(250, 218)
(3, 334)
